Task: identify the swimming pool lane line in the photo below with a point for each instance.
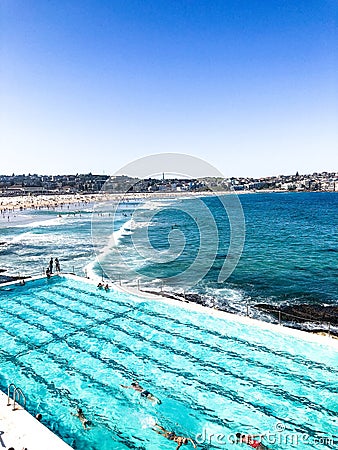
(143, 324)
(245, 343)
(73, 402)
(260, 347)
(139, 295)
(157, 361)
(199, 342)
(92, 380)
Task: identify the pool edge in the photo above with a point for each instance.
(304, 335)
(21, 430)
(300, 334)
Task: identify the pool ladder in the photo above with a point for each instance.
(16, 392)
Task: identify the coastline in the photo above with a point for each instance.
(57, 206)
(10, 204)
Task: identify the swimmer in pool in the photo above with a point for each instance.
(171, 436)
(85, 422)
(250, 440)
(144, 393)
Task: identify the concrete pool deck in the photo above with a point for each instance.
(20, 430)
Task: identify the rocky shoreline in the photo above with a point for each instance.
(8, 278)
(303, 312)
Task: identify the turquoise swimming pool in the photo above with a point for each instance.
(68, 344)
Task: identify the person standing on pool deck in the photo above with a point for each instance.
(57, 265)
(51, 265)
(144, 393)
(171, 436)
(250, 440)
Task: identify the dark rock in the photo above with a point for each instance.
(8, 278)
(196, 298)
(303, 312)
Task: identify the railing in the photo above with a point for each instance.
(285, 318)
(246, 309)
(16, 390)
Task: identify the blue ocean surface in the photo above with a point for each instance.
(69, 344)
(290, 252)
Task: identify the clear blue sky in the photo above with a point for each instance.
(251, 86)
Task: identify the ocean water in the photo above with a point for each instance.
(290, 251)
(68, 344)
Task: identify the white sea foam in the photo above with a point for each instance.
(115, 238)
(151, 205)
(148, 422)
(113, 241)
(231, 295)
(89, 270)
(143, 225)
(43, 223)
(31, 238)
(126, 229)
(28, 236)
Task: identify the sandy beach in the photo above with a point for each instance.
(24, 202)
(54, 201)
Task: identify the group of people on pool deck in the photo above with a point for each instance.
(49, 269)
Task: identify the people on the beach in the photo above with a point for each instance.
(144, 393)
(250, 439)
(57, 265)
(172, 436)
(51, 265)
(85, 422)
